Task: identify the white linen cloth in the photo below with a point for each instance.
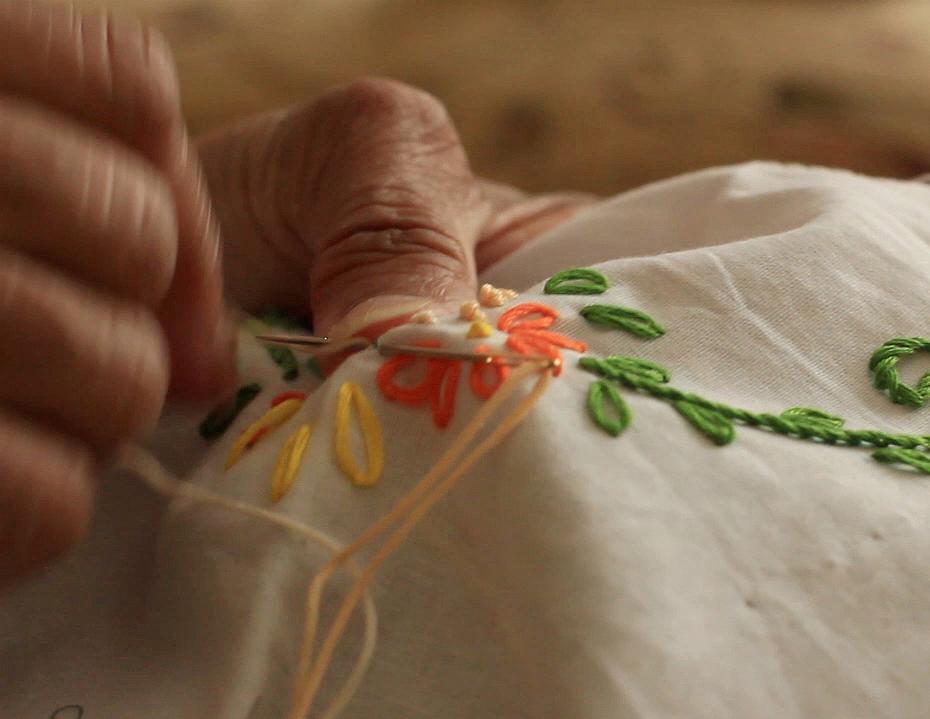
(574, 574)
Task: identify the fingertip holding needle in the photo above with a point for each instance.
(318, 345)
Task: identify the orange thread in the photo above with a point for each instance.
(530, 335)
(510, 321)
(482, 389)
(414, 395)
(284, 396)
(403, 518)
(439, 386)
(554, 338)
(445, 391)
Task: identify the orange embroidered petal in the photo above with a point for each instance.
(444, 393)
(391, 390)
(515, 318)
(554, 338)
(525, 343)
(408, 395)
(482, 389)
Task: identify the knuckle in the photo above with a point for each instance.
(132, 209)
(141, 71)
(132, 373)
(425, 258)
(389, 103)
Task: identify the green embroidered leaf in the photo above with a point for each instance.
(617, 366)
(602, 397)
(623, 318)
(286, 360)
(816, 423)
(579, 281)
(221, 417)
(813, 417)
(714, 425)
(910, 457)
(313, 364)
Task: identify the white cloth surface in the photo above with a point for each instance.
(573, 574)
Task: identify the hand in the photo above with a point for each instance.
(109, 269)
(361, 208)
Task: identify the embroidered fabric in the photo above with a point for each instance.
(572, 574)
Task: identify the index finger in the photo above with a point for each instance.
(117, 76)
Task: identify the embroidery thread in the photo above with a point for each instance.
(351, 396)
(623, 318)
(884, 365)
(264, 425)
(577, 281)
(288, 462)
(219, 420)
(602, 393)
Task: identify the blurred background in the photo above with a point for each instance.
(593, 95)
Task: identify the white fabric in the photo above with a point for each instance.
(577, 575)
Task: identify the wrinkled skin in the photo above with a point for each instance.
(118, 235)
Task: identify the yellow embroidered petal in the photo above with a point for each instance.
(479, 329)
(267, 423)
(289, 459)
(350, 394)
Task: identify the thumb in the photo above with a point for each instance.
(387, 206)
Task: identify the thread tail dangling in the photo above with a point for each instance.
(403, 518)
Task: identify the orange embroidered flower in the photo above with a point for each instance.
(527, 326)
(439, 386)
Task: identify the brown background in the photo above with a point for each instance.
(587, 94)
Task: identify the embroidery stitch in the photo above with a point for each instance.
(219, 420)
(601, 393)
(288, 462)
(476, 381)
(351, 395)
(623, 318)
(797, 422)
(264, 425)
(286, 360)
(577, 281)
(712, 423)
(884, 365)
(479, 330)
(529, 335)
(909, 457)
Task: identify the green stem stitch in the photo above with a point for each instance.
(600, 394)
(219, 420)
(884, 365)
(578, 281)
(791, 425)
(624, 318)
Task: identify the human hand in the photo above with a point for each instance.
(110, 282)
(361, 207)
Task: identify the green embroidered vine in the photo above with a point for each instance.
(578, 281)
(219, 420)
(624, 318)
(716, 420)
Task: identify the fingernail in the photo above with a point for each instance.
(377, 315)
